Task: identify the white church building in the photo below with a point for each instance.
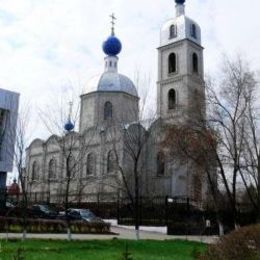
(111, 145)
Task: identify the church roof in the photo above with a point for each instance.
(112, 82)
(183, 27)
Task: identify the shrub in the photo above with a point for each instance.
(52, 226)
(241, 244)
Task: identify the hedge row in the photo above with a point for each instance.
(14, 225)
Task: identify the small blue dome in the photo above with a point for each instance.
(181, 2)
(69, 126)
(112, 46)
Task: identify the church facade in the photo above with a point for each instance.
(112, 146)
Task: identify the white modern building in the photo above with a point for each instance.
(9, 102)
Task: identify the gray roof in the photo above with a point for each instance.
(112, 81)
(183, 24)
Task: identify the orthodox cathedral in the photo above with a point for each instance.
(112, 146)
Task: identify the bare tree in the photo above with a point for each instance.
(228, 109)
(22, 139)
(130, 150)
(21, 134)
(220, 140)
(72, 148)
(250, 168)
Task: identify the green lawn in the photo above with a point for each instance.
(97, 250)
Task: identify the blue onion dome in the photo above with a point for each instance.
(69, 126)
(112, 46)
(180, 2)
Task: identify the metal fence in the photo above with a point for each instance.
(180, 215)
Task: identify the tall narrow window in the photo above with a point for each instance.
(195, 64)
(71, 167)
(111, 161)
(35, 172)
(173, 31)
(91, 164)
(172, 99)
(52, 169)
(108, 110)
(172, 63)
(160, 164)
(193, 31)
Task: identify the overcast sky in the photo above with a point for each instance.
(46, 46)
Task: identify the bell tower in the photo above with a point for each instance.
(180, 86)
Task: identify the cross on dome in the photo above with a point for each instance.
(69, 126)
(70, 109)
(112, 46)
(113, 18)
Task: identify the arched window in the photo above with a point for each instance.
(193, 31)
(111, 161)
(160, 164)
(172, 99)
(71, 167)
(52, 169)
(91, 164)
(172, 63)
(173, 31)
(108, 110)
(35, 173)
(195, 63)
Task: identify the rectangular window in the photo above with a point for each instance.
(3, 116)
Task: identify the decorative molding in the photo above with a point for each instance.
(180, 43)
(170, 80)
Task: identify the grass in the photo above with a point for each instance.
(100, 249)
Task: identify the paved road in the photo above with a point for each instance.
(121, 233)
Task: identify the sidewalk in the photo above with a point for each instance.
(120, 233)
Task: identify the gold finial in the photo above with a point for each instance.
(113, 18)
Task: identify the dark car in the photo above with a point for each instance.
(43, 211)
(9, 205)
(81, 214)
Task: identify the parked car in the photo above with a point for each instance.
(80, 214)
(9, 205)
(43, 211)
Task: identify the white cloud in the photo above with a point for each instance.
(45, 45)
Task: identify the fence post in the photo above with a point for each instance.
(140, 210)
(118, 207)
(188, 205)
(98, 200)
(166, 210)
(49, 197)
